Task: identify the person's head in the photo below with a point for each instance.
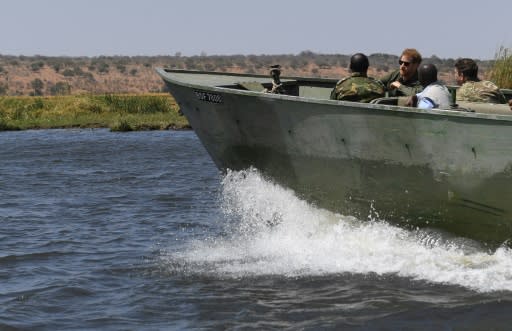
(427, 74)
(465, 70)
(409, 62)
(359, 63)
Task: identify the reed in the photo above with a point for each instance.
(501, 72)
(118, 112)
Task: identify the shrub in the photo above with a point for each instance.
(68, 73)
(121, 126)
(121, 68)
(57, 66)
(3, 89)
(37, 65)
(5, 126)
(61, 88)
(103, 67)
(38, 86)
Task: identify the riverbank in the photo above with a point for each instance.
(119, 112)
(46, 75)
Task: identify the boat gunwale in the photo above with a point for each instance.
(165, 74)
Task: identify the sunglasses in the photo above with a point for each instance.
(404, 63)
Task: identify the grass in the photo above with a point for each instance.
(119, 112)
(501, 72)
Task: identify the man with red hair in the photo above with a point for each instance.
(404, 81)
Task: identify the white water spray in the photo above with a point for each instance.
(275, 233)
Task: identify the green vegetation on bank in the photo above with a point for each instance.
(119, 112)
(501, 72)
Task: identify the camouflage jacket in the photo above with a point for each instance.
(407, 88)
(358, 88)
(481, 91)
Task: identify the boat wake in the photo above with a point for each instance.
(269, 231)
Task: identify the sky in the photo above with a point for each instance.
(445, 28)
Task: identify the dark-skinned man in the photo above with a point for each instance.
(358, 87)
(435, 94)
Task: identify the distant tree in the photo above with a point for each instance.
(448, 65)
(308, 54)
(209, 66)
(435, 60)
(121, 68)
(36, 66)
(294, 63)
(133, 72)
(190, 63)
(38, 86)
(57, 67)
(242, 65)
(3, 89)
(68, 73)
(78, 71)
(449, 62)
(103, 67)
(61, 88)
(221, 61)
(89, 76)
(382, 67)
(322, 63)
(239, 60)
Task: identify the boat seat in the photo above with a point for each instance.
(474, 107)
(385, 101)
(487, 108)
(393, 101)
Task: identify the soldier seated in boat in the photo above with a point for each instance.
(435, 94)
(358, 87)
(404, 81)
(473, 89)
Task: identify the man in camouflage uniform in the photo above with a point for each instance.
(358, 87)
(473, 89)
(404, 80)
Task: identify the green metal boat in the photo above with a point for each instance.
(444, 168)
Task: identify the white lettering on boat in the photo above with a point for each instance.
(208, 96)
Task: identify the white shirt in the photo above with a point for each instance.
(434, 95)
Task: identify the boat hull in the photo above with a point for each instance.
(415, 168)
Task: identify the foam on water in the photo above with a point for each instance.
(272, 232)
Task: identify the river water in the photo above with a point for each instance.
(139, 231)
